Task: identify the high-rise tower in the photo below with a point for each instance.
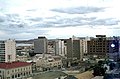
(40, 45)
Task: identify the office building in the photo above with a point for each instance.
(7, 51)
(40, 45)
(98, 46)
(74, 50)
(103, 46)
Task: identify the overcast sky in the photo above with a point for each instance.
(28, 19)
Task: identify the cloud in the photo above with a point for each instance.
(105, 22)
(22, 33)
(15, 21)
(77, 21)
(60, 22)
(12, 21)
(35, 19)
(13, 18)
(2, 18)
(32, 10)
(69, 31)
(78, 10)
(27, 19)
(74, 22)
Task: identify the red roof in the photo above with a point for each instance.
(10, 65)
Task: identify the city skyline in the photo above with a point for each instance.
(27, 19)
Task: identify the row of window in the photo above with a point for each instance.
(21, 74)
(2, 45)
(96, 48)
(20, 69)
(99, 51)
(2, 50)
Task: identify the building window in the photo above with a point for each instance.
(15, 70)
(8, 72)
(12, 76)
(21, 73)
(24, 73)
(8, 77)
(3, 72)
(16, 76)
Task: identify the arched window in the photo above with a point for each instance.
(18, 75)
(12, 76)
(15, 75)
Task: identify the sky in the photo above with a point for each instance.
(28, 19)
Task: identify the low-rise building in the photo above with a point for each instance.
(24, 49)
(47, 62)
(14, 70)
(22, 58)
(55, 62)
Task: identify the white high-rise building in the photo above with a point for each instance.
(7, 50)
(59, 47)
(10, 50)
(84, 44)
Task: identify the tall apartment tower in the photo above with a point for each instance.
(59, 47)
(85, 44)
(40, 45)
(7, 51)
(74, 51)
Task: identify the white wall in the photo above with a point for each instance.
(59, 49)
(10, 50)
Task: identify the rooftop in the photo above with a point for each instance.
(10, 65)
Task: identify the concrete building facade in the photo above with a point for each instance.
(59, 47)
(15, 70)
(98, 46)
(10, 50)
(2, 51)
(7, 51)
(51, 46)
(47, 62)
(103, 46)
(74, 50)
(40, 45)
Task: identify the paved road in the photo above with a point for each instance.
(85, 75)
(98, 77)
